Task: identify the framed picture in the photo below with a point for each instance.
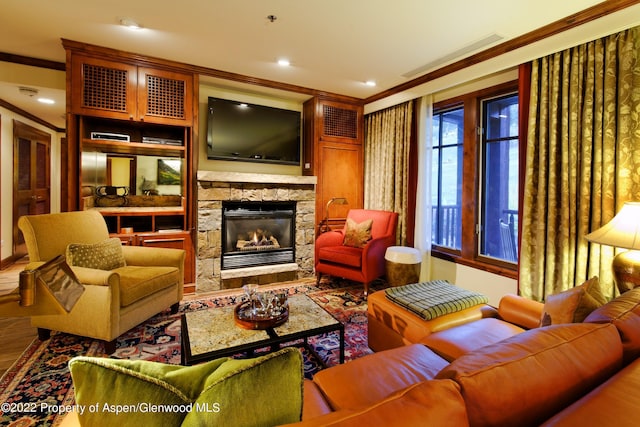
(169, 171)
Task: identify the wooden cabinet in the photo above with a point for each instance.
(119, 90)
(174, 240)
(136, 114)
(333, 151)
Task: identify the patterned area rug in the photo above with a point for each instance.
(36, 389)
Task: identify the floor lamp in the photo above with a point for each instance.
(623, 231)
(51, 288)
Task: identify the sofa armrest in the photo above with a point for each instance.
(92, 276)
(330, 238)
(520, 311)
(145, 256)
(86, 276)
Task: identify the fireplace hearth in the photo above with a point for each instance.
(257, 233)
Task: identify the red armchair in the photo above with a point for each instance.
(361, 264)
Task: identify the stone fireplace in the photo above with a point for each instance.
(257, 233)
(253, 203)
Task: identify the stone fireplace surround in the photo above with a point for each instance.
(216, 187)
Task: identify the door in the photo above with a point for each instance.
(31, 177)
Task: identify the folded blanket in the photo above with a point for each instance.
(433, 299)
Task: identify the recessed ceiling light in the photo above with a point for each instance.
(46, 101)
(283, 62)
(130, 23)
(370, 83)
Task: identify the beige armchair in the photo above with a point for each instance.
(113, 301)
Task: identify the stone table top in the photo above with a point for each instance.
(215, 329)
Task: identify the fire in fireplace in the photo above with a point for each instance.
(257, 233)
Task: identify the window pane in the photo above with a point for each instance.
(446, 175)
(500, 180)
(502, 118)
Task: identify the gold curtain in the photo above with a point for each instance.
(583, 161)
(386, 162)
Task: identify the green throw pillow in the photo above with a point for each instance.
(263, 391)
(105, 255)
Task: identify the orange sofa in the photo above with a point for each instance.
(571, 374)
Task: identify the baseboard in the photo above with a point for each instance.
(9, 261)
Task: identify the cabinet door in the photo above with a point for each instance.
(341, 175)
(103, 88)
(175, 241)
(165, 97)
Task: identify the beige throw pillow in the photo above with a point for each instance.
(105, 255)
(357, 235)
(573, 305)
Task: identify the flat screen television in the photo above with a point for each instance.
(252, 133)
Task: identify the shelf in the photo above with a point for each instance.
(136, 211)
(151, 220)
(121, 147)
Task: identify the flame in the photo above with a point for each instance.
(255, 238)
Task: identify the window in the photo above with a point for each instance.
(475, 196)
(446, 178)
(499, 207)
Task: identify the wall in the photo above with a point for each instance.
(492, 285)
(486, 74)
(6, 174)
(237, 166)
(610, 24)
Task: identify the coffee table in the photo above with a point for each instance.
(212, 333)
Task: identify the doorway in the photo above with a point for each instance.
(31, 177)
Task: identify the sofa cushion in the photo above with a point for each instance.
(433, 299)
(572, 305)
(225, 391)
(345, 255)
(103, 255)
(428, 403)
(138, 282)
(624, 313)
(357, 235)
(369, 379)
(615, 402)
(454, 342)
(527, 378)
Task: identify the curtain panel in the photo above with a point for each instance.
(386, 162)
(582, 161)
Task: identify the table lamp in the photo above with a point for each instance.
(51, 288)
(623, 231)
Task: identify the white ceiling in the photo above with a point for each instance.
(333, 45)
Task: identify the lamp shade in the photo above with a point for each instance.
(623, 231)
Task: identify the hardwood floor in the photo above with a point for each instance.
(16, 333)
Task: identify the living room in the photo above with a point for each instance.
(457, 79)
(500, 68)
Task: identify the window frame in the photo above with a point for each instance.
(449, 108)
(469, 254)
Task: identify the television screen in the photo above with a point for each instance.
(253, 133)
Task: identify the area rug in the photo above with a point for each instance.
(38, 387)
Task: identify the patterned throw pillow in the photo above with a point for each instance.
(105, 255)
(357, 235)
(573, 305)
